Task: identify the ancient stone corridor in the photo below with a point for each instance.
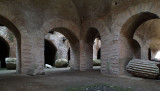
(80, 35)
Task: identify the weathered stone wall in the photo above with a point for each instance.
(10, 39)
(61, 44)
(74, 18)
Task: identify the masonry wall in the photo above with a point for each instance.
(72, 18)
(10, 39)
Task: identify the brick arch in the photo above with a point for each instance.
(55, 23)
(97, 24)
(120, 20)
(123, 17)
(17, 27)
(71, 32)
(15, 31)
(104, 32)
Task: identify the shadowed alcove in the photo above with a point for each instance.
(50, 53)
(4, 51)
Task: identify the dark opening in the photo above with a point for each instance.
(99, 54)
(69, 55)
(116, 3)
(135, 21)
(135, 48)
(4, 52)
(149, 53)
(1, 25)
(50, 53)
(51, 32)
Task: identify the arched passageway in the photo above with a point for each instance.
(73, 52)
(89, 41)
(148, 35)
(50, 53)
(130, 47)
(4, 52)
(5, 22)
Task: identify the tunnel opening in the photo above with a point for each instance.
(67, 48)
(149, 54)
(17, 35)
(93, 40)
(69, 55)
(99, 54)
(50, 53)
(63, 48)
(129, 47)
(4, 52)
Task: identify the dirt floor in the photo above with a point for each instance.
(63, 79)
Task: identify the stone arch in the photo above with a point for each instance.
(55, 23)
(99, 24)
(104, 32)
(91, 34)
(17, 26)
(50, 52)
(74, 42)
(120, 21)
(8, 36)
(4, 21)
(127, 44)
(71, 32)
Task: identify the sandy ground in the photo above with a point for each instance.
(62, 79)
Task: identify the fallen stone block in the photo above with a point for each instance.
(143, 68)
(96, 62)
(10, 63)
(59, 63)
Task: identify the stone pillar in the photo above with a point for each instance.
(86, 56)
(32, 54)
(110, 55)
(144, 53)
(75, 56)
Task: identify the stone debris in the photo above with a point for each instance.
(10, 63)
(61, 63)
(48, 66)
(143, 68)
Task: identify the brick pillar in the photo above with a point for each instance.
(32, 55)
(144, 53)
(110, 55)
(86, 56)
(75, 56)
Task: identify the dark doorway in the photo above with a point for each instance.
(50, 53)
(149, 53)
(4, 52)
(99, 54)
(69, 55)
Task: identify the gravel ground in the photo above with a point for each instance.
(63, 79)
